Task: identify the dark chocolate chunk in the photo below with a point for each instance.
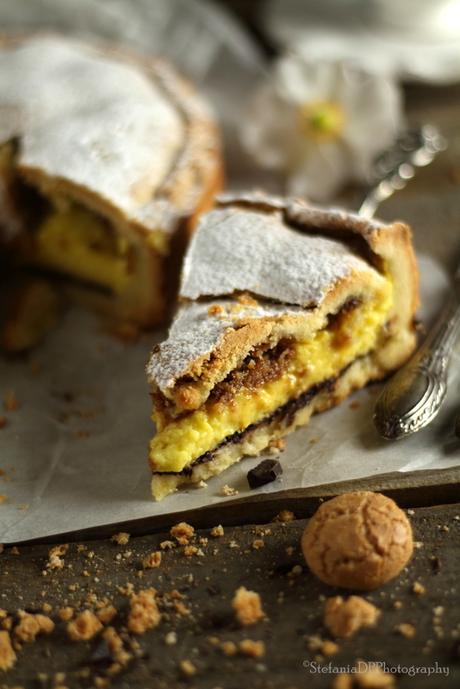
(265, 472)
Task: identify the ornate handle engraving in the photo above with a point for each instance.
(413, 396)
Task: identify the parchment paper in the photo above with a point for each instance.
(74, 453)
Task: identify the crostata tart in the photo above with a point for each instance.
(105, 163)
(285, 309)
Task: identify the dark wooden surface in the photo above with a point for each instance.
(293, 604)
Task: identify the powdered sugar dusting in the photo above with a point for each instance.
(97, 121)
(239, 249)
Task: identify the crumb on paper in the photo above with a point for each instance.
(344, 618)
(285, 516)
(251, 648)
(11, 402)
(215, 310)
(84, 627)
(247, 606)
(152, 560)
(31, 625)
(405, 629)
(143, 613)
(7, 654)
(217, 531)
(187, 668)
(121, 538)
(182, 532)
(227, 491)
(276, 446)
(418, 588)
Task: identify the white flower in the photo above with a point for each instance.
(321, 123)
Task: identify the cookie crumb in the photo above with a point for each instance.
(144, 613)
(171, 639)
(182, 532)
(187, 668)
(215, 310)
(258, 544)
(121, 538)
(285, 516)
(217, 531)
(65, 614)
(106, 614)
(247, 606)
(152, 560)
(405, 629)
(253, 649)
(227, 491)
(7, 654)
(344, 618)
(229, 648)
(55, 556)
(418, 588)
(84, 627)
(31, 625)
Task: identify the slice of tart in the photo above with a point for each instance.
(105, 163)
(285, 309)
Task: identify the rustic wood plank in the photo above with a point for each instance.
(293, 603)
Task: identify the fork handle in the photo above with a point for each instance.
(413, 396)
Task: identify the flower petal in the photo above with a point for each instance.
(321, 172)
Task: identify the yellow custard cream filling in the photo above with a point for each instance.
(315, 360)
(78, 243)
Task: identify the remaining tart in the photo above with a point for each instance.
(285, 310)
(105, 163)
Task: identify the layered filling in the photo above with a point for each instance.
(58, 234)
(270, 378)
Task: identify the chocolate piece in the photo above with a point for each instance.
(265, 472)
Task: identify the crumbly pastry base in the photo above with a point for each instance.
(252, 443)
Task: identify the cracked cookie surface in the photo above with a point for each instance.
(358, 540)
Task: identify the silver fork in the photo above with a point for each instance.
(412, 398)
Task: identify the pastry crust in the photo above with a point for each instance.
(262, 271)
(381, 245)
(125, 137)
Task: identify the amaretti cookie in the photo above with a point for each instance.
(106, 161)
(285, 309)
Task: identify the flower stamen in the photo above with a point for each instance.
(322, 119)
